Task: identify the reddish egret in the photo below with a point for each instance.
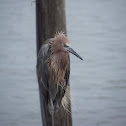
(53, 70)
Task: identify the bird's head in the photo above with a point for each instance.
(61, 43)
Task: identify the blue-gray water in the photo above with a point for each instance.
(97, 31)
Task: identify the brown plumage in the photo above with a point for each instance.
(53, 70)
(58, 61)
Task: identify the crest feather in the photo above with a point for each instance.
(59, 33)
(61, 36)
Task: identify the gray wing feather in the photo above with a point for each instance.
(42, 69)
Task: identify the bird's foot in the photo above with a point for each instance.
(56, 107)
(51, 107)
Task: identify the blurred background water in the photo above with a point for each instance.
(97, 31)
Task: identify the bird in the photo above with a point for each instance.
(53, 72)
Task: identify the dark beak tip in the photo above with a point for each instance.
(81, 59)
(73, 52)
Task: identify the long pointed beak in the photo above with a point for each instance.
(69, 49)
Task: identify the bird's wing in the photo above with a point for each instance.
(42, 69)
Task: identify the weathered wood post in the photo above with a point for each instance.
(50, 18)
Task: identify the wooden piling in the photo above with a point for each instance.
(50, 18)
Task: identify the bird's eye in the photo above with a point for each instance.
(63, 44)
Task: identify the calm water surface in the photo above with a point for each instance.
(97, 31)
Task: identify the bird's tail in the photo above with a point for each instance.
(66, 100)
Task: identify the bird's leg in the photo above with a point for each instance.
(58, 99)
(52, 111)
